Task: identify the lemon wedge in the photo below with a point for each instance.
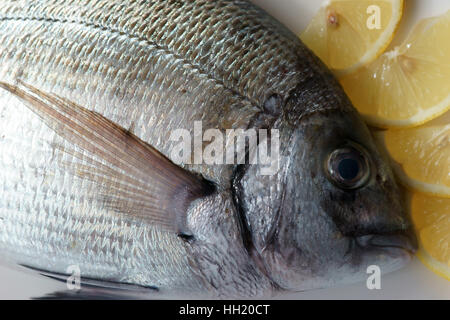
(421, 155)
(347, 34)
(431, 217)
(409, 85)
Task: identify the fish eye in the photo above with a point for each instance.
(348, 167)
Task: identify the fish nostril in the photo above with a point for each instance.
(404, 240)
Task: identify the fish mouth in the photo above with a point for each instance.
(405, 241)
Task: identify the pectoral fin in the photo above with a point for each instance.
(131, 177)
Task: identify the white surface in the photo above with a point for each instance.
(412, 282)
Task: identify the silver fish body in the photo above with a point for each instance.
(152, 67)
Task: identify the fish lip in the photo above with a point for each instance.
(405, 241)
(411, 253)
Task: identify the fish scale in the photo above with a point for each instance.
(90, 93)
(108, 70)
(226, 14)
(23, 231)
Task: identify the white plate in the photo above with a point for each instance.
(413, 282)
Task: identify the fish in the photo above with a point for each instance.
(91, 92)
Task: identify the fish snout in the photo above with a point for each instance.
(405, 240)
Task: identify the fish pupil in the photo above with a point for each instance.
(348, 169)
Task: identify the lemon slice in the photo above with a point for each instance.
(421, 155)
(409, 85)
(431, 217)
(347, 34)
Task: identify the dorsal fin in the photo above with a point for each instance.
(132, 178)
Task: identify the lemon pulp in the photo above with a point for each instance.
(347, 34)
(409, 85)
(431, 217)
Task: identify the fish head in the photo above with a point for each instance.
(332, 210)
